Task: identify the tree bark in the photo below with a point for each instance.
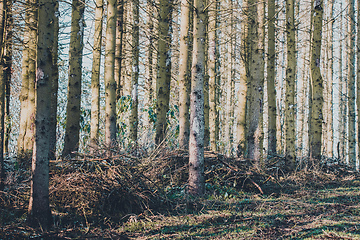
(212, 36)
(197, 121)
(71, 141)
(95, 76)
(110, 84)
(39, 209)
(2, 93)
(164, 69)
(184, 74)
(271, 90)
(351, 84)
(315, 132)
(134, 121)
(290, 108)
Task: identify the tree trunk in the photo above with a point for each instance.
(39, 208)
(95, 76)
(358, 74)
(119, 47)
(8, 52)
(196, 142)
(110, 84)
(315, 132)
(164, 69)
(184, 75)
(2, 94)
(271, 90)
(351, 84)
(71, 141)
(212, 36)
(55, 84)
(255, 82)
(31, 73)
(134, 122)
(290, 86)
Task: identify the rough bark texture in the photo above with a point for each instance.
(315, 131)
(351, 84)
(71, 141)
(8, 52)
(184, 75)
(196, 142)
(55, 84)
(164, 69)
(134, 121)
(39, 209)
(212, 38)
(271, 90)
(24, 94)
(255, 80)
(110, 84)
(119, 46)
(95, 75)
(290, 108)
(2, 94)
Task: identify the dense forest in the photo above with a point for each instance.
(151, 100)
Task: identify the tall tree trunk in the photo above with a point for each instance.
(164, 68)
(2, 93)
(24, 94)
(329, 83)
(8, 52)
(351, 85)
(196, 144)
(55, 84)
(39, 208)
(150, 67)
(184, 74)
(271, 90)
(95, 75)
(71, 143)
(315, 132)
(110, 84)
(119, 47)
(255, 83)
(290, 85)
(342, 92)
(134, 121)
(212, 36)
(358, 74)
(32, 43)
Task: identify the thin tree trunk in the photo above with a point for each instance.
(196, 144)
(290, 86)
(184, 75)
(119, 47)
(271, 90)
(110, 84)
(351, 84)
(315, 132)
(95, 76)
(55, 85)
(212, 36)
(8, 52)
(24, 94)
(30, 127)
(134, 122)
(39, 208)
(164, 69)
(71, 141)
(358, 74)
(2, 94)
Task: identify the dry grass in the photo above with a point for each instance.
(124, 196)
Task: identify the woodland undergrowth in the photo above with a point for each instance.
(95, 195)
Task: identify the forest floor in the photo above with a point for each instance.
(126, 197)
